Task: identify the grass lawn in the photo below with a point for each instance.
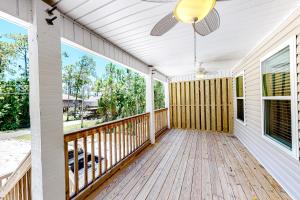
(86, 124)
(24, 137)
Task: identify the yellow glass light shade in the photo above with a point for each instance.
(187, 11)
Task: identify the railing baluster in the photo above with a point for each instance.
(85, 161)
(132, 135)
(76, 178)
(110, 147)
(119, 136)
(105, 151)
(99, 151)
(29, 184)
(93, 154)
(115, 145)
(135, 133)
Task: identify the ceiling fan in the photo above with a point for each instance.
(200, 13)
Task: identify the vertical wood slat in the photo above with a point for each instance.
(76, 176)
(207, 102)
(123, 140)
(197, 106)
(203, 104)
(183, 122)
(115, 145)
(219, 104)
(174, 97)
(93, 154)
(192, 98)
(171, 105)
(85, 161)
(202, 100)
(178, 105)
(105, 149)
(100, 151)
(224, 104)
(188, 105)
(230, 105)
(213, 104)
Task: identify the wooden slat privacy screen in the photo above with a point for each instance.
(202, 104)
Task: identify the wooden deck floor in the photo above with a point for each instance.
(192, 165)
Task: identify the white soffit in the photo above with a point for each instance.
(127, 23)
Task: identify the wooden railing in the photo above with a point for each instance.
(161, 121)
(93, 155)
(18, 185)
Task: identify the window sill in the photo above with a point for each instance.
(280, 146)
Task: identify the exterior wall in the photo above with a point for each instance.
(284, 168)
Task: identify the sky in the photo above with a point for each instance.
(74, 53)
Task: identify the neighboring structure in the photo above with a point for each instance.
(70, 101)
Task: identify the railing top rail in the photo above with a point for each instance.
(161, 109)
(4, 176)
(110, 123)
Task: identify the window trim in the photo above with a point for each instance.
(294, 152)
(242, 73)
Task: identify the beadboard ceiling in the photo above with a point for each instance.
(127, 23)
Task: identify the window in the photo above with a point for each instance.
(240, 98)
(278, 78)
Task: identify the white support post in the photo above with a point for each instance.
(167, 101)
(150, 103)
(47, 146)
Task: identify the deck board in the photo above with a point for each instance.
(186, 164)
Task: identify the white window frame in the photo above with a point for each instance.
(294, 108)
(242, 73)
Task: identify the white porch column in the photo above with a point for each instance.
(150, 103)
(47, 146)
(167, 101)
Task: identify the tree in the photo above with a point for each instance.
(68, 80)
(159, 96)
(97, 87)
(84, 71)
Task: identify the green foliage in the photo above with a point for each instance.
(159, 95)
(14, 83)
(122, 93)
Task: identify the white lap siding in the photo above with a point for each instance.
(284, 168)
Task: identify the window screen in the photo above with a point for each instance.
(276, 97)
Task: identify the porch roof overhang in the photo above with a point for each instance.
(119, 30)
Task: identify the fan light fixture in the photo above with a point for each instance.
(191, 11)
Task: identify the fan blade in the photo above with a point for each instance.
(164, 25)
(159, 1)
(209, 24)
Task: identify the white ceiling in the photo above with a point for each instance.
(127, 23)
